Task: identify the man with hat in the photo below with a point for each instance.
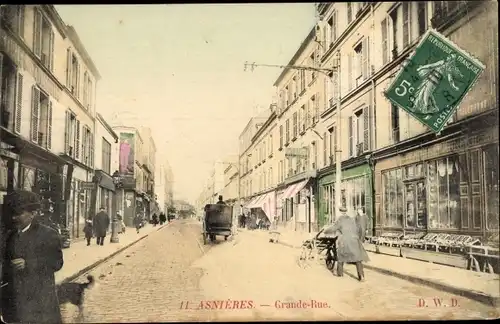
(33, 254)
(349, 246)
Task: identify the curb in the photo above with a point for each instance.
(101, 261)
(470, 294)
(473, 295)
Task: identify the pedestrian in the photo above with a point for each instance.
(87, 230)
(32, 256)
(137, 222)
(101, 224)
(163, 218)
(349, 246)
(155, 220)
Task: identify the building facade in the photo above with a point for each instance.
(47, 76)
(106, 163)
(133, 199)
(446, 183)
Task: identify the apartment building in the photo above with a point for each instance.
(300, 98)
(106, 163)
(47, 76)
(164, 186)
(148, 166)
(346, 34)
(133, 199)
(261, 174)
(230, 191)
(247, 188)
(438, 183)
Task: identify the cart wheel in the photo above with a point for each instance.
(225, 238)
(329, 263)
(212, 237)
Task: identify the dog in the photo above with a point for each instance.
(74, 293)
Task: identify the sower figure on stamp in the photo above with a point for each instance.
(33, 254)
(349, 246)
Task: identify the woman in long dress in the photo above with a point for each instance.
(432, 74)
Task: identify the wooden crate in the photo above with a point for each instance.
(454, 260)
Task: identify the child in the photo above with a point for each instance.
(88, 230)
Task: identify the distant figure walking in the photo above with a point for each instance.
(221, 201)
(163, 218)
(137, 223)
(101, 224)
(155, 220)
(87, 230)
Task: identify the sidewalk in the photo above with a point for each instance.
(483, 287)
(80, 258)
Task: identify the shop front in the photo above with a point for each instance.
(106, 193)
(449, 186)
(356, 192)
(263, 206)
(24, 165)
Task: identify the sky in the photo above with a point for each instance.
(178, 69)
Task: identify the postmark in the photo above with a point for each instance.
(434, 80)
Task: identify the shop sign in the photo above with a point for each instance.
(434, 81)
(87, 185)
(297, 152)
(452, 146)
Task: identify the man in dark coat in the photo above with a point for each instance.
(221, 201)
(33, 254)
(101, 224)
(349, 246)
(163, 218)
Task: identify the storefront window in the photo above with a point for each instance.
(355, 189)
(393, 198)
(444, 194)
(491, 186)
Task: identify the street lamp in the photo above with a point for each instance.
(118, 181)
(329, 72)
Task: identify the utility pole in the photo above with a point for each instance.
(335, 70)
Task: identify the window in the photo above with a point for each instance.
(72, 135)
(406, 24)
(87, 147)
(358, 68)
(329, 201)
(354, 190)
(333, 26)
(282, 100)
(325, 149)
(288, 91)
(443, 181)
(106, 156)
(395, 123)
(302, 118)
(385, 41)
(43, 40)
(13, 18)
(349, 13)
(73, 73)
(271, 144)
(312, 62)
(87, 90)
(422, 17)
(315, 156)
(41, 118)
(393, 198)
(302, 81)
(308, 116)
(287, 134)
(394, 37)
(315, 103)
(281, 136)
(11, 94)
(295, 89)
(295, 125)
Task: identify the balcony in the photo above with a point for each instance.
(448, 12)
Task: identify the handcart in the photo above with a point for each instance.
(321, 246)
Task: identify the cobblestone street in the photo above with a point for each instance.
(166, 277)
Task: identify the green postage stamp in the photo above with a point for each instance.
(434, 80)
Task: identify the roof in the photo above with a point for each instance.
(73, 35)
(106, 125)
(297, 54)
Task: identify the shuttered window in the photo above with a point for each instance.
(35, 109)
(67, 133)
(350, 136)
(49, 126)
(19, 103)
(385, 41)
(366, 58)
(325, 149)
(77, 140)
(366, 129)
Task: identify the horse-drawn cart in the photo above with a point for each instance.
(217, 221)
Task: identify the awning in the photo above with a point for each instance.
(252, 202)
(266, 202)
(294, 189)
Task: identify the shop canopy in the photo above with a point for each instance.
(294, 189)
(264, 202)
